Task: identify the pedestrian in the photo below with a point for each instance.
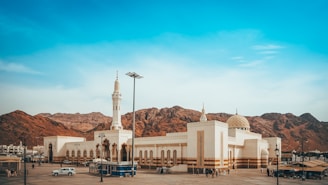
(33, 166)
(268, 172)
(8, 172)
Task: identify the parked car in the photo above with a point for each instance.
(67, 162)
(64, 171)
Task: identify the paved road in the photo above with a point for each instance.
(41, 175)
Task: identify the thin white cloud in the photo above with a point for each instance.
(217, 74)
(253, 63)
(17, 68)
(237, 58)
(267, 47)
(268, 52)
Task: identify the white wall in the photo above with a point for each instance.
(272, 141)
(215, 139)
(58, 144)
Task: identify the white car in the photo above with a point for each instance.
(67, 162)
(64, 171)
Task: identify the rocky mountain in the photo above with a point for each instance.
(82, 122)
(155, 122)
(292, 129)
(18, 125)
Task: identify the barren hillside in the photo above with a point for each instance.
(155, 122)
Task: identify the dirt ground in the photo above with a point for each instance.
(41, 175)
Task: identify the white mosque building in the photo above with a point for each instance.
(205, 144)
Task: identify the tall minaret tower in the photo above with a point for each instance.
(116, 98)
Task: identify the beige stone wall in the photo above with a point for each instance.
(272, 142)
(207, 144)
(58, 143)
(166, 150)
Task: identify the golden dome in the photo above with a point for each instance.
(237, 121)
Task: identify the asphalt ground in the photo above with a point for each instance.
(41, 175)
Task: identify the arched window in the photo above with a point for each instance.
(114, 150)
(146, 156)
(106, 145)
(97, 152)
(67, 153)
(50, 154)
(140, 156)
(78, 153)
(151, 156)
(168, 157)
(174, 157)
(85, 153)
(91, 154)
(162, 157)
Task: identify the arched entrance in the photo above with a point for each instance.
(114, 153)
(97, 151)
(124, 153)
(50, 153)
(107, 150)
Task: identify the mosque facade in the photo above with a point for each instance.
(205, 144)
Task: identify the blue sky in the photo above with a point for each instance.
(256, 56)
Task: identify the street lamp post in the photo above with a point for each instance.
(277, 154)
(303, 175)
(38, 150)
(24, 156)
(134, 76)
(38, 154)
(77, 153)
(101, 135)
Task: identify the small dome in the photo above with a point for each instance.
(237, 121)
